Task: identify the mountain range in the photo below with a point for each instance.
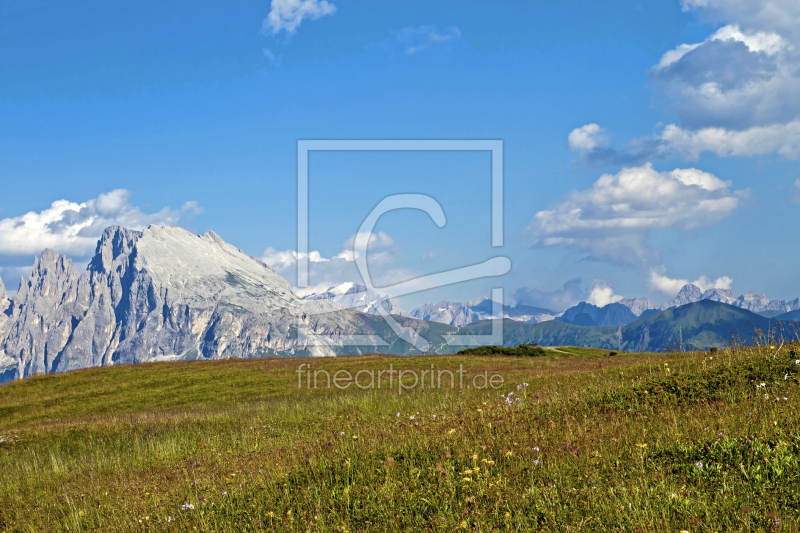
(696, 325)
(165, 294)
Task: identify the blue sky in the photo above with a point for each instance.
(646, 143)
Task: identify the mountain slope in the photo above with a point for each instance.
(586, 314)
(166, 294)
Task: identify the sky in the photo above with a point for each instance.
(645, 144)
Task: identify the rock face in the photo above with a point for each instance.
(638, 305)
(751, 301)
(161, 294)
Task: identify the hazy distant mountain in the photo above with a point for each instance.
(586, 314)
(638, 305)
(694, 325)
(358, 297)
(752, 301)
(460, 314)
(786, 317)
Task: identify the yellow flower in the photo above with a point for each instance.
(463, 525)
(642, 445)
(451, 431)
(509, 453)
(355, 437)
(467, 472)
(466, 480)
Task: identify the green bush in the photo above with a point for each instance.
(523, 350)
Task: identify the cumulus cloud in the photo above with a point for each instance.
(73, 228)
(611, 221)
(783, 139)
(286, 15)
(737, 93)
(592, 143)
(601, 294)
(327, 272)
(671, 287)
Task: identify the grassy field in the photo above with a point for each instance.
(572, 441)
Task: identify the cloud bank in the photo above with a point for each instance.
(73, 228)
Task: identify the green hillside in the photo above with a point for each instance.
(573, 441)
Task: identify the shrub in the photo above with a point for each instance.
(523, 350)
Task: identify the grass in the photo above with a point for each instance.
(635, 442)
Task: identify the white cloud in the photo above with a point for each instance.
(782, 16)
(286, 15)
(587, 138)
(671, 287)
(341, 268)
(783, 139)
(611, 220)
(417, 38)
(600, 294)
(73, 228)
(376, 241)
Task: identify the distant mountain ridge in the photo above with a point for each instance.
(358, 297)
(586, 314)
(461, 314)
(696, 325)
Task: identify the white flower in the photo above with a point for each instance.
(398, 415)
(187, 506)
(341, 434)
(411, 417)
(698, 464)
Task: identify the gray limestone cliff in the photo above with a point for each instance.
(160, 294)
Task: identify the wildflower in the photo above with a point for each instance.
(535, 462)
(698, 464)
(516, 400)
(467, 472)
(187, 506)
(519, 387)
(466, 480)
(525, 384)
(355, 437)
(480, 410)
(411, 417)
(642, 445)
(797, 361)
(169, 519)
(341, 434)
(451, 431)
(509, 453)
(398, 415)
(536, 448)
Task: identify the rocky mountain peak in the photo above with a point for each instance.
(3, 293)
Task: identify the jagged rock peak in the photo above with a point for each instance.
(3, 293)
(116, 241)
